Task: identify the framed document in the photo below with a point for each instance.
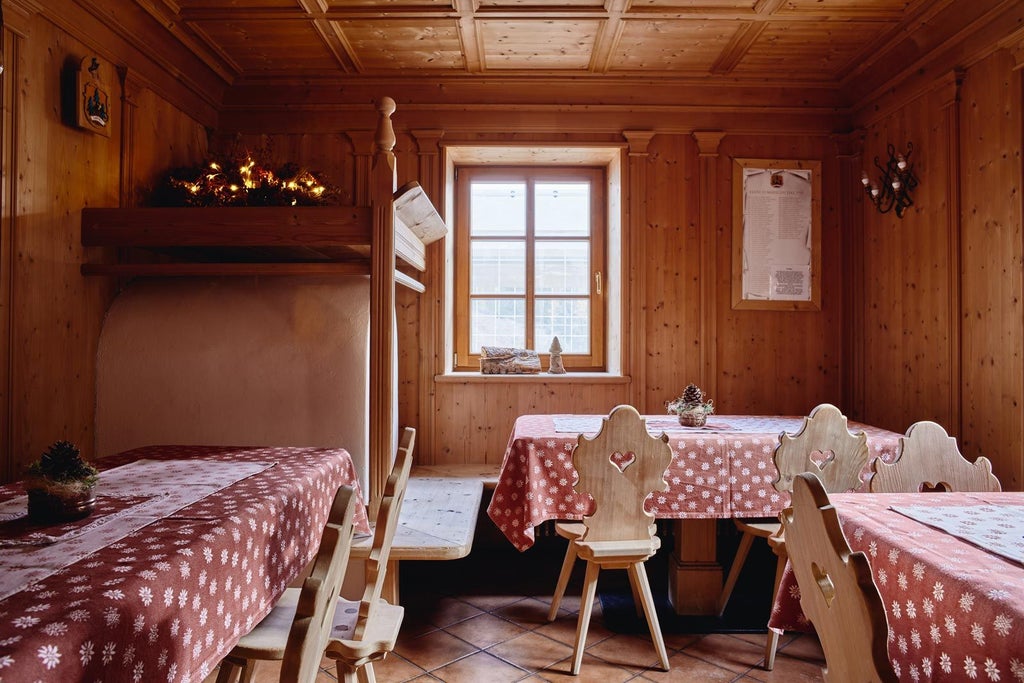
(776, 234)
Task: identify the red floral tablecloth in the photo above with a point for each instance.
(721, 470)
(955, 611)
(168, 601)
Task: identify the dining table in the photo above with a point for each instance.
(187, 549)
(949, 567)
(721, 470)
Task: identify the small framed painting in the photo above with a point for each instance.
(776, 234)
(92, 98)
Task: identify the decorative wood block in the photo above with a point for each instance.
(92, 97)
(503, 360)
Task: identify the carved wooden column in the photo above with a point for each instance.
(362, 150)
(431, 301)
(849, 152)
(950, 89)
(382, 302)
(695, 577)
(634, 260)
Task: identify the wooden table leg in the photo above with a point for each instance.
(695, 577)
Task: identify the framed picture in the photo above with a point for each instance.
(776, 234)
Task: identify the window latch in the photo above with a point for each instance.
(597, 282)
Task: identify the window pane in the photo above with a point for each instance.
(497, 322)
(497, 209)
(562, 268)
(567, 319)
(562, 209)
(497, 267)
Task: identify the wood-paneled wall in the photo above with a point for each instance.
(51, 170)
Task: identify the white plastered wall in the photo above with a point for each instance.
(274, 361)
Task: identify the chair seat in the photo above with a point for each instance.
(635, 550)
(379, 634)
(268, 639)
(762, 528)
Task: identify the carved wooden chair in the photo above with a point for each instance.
(825, 446)
(297, 628)
(365, 632)
(836, 590)
(372, 625)
(618, 468)
(928, 459)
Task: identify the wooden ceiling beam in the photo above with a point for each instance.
(471, 38)
(608, 38)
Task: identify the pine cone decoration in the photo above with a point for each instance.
(692, 394)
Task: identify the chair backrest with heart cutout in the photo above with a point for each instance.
(825, 446)
(619, 468)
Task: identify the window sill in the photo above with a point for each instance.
(539, 378)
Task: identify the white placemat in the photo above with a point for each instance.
(170, 486)
(998, 529)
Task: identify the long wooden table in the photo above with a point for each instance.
(167, 592)
(721, 470)
(955, 607)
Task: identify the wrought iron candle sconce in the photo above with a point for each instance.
(897, 181)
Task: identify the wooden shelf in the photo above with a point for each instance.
(273, 240)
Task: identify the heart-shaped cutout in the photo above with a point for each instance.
(622, 460)
(822, 458)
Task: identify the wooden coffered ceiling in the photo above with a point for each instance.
(823, 42)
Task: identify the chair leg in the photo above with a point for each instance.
(563, 580)
(586, 607)
(773, 636)
(638, 598)
(345, 673)
(638, 578)
(734, 572)
(365, 673)
(225, 674)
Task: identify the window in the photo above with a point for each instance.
(529, 258)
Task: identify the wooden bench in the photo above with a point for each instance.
(438, 517)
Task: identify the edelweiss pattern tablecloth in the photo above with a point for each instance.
(167, 602)
(955, 611)
(722, 470)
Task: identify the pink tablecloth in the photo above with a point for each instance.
(167, 602)
(722, 470)
(955, 611)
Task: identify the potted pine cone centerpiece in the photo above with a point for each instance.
(60, 485)
(691, 407)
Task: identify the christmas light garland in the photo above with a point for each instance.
(243, 182)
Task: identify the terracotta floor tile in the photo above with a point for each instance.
(490, 603)
(447, 611)
(563, 630)
(528, 613)
(727, 652)
(789, 670)
(626, 650)
(485, 630)
(686, 669)
(592, 670)
(433, 650)
(478, 668)
(531, 651)
(395, 668)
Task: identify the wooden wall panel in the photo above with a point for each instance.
(907, 322)
(993, 328)
(672, 300)
(164, 138)
(779, 362)
(56, 313)
(474, 419)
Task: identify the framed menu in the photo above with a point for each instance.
(776, 234)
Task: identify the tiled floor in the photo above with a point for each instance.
(471, 623)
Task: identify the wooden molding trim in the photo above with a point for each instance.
(707, 161)
(9, 190)
(634, 263)
(849, 153)
(951, 112)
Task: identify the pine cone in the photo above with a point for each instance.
(692, 394)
